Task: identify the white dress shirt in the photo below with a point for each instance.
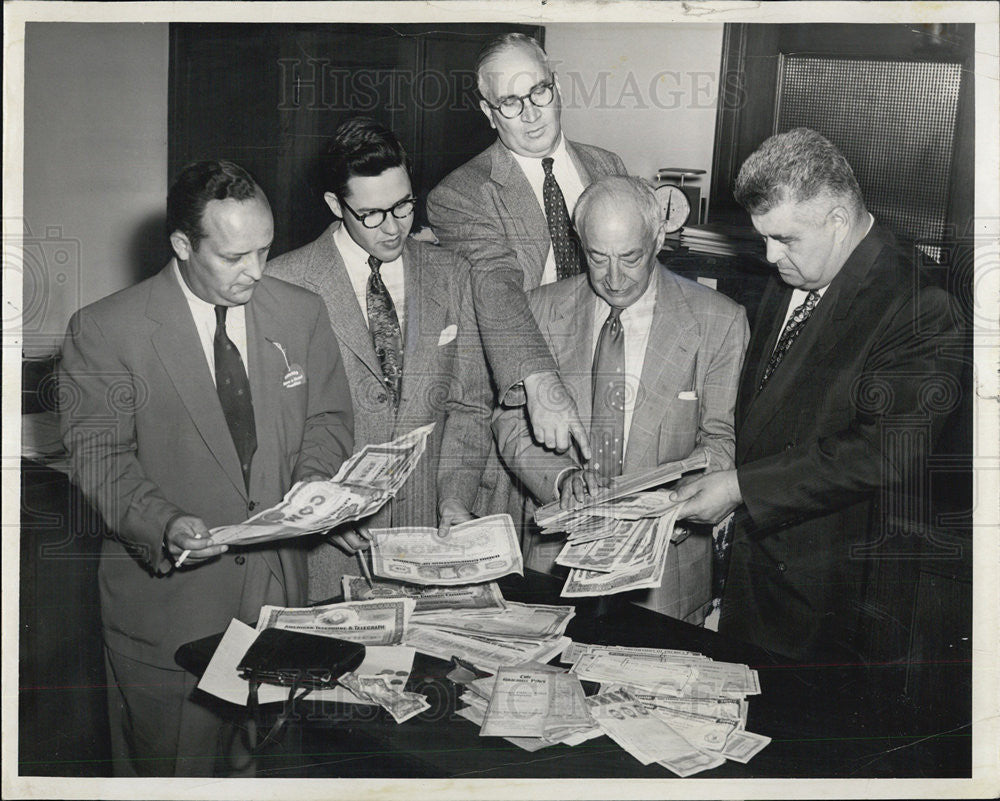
(203, 313)
(637, 321)
(356, 261)
(566, 176)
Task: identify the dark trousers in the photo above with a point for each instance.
(162, 726)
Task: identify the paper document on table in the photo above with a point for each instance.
(579, 649)
(665, 678)
(361, 487)
(551, 515)
(514, 620)
(459, 598)
(379, 622)
(222, 679)
(475, 551)
(535, 703)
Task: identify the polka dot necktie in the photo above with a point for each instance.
(792, 328)
(233, 386)
(387, 338)
(607, 419)
(565, 247)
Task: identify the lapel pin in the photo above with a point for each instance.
(295, 375)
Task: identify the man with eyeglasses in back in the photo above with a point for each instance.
(405, 323)
(509, 211)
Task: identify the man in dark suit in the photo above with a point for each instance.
(846, 357)
(181, 414)
(508, 211)
(676, 363)
(402, 312)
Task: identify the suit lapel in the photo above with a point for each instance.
(327, 274)
(521, 207)
(179, 348)
(586, 166)
(426, 297)
(812, 347)
(673, 342)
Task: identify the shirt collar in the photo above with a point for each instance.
(189, 296)
(532, 163)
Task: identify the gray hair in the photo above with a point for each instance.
(621, 188)
(795, 166)
(500, 44)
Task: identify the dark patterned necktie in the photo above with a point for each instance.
(233, 386)
(792, 328)
(607, 418)
(386, 335)
(565, 247)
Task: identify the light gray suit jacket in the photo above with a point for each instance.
(487, 211)
(148, 440)
(696, 344)
(444, 382)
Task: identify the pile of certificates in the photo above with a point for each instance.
(474, 622)
(678, 709)
(612, 549)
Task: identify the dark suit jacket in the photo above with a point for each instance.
(487, 211)
(696, 345)
(148, 439)
(444, 382)
(848, 415)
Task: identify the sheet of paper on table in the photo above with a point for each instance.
(221, 679)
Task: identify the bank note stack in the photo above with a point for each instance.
(361, 487)
(475, 551)
(473, 622)
(699, 700)
(632, 557)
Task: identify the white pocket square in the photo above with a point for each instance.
(447, 335)
(688, 394)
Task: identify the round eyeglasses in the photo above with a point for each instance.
(512, 106)
(375, 217)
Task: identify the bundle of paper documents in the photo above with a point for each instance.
(678, 709)
(361, 487)
(474, 623)
(478, 550)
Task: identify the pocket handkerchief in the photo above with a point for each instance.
(447, 335)
(688, 394)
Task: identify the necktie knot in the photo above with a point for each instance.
(547, 163)
(220, 316)
(375, 264)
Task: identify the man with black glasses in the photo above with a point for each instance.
(411, 358)
(509, 211)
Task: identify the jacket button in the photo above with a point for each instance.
(789, 446)
(782, 567)
(381, 397)
(252, 505)
(241, 559)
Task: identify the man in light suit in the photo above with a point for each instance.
(438, 374)
(508, 211)
(180, 414)
(680, 348)
(845, 388)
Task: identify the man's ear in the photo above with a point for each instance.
(181, 245)
(840, 217)
(334, 203)
(484, 107)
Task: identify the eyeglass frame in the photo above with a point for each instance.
(550, 84)
(384, 212)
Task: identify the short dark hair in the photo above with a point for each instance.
(360, 146)
(502, 43)
(196, 185)
(795, 166)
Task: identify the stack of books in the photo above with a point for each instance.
(722, 240)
